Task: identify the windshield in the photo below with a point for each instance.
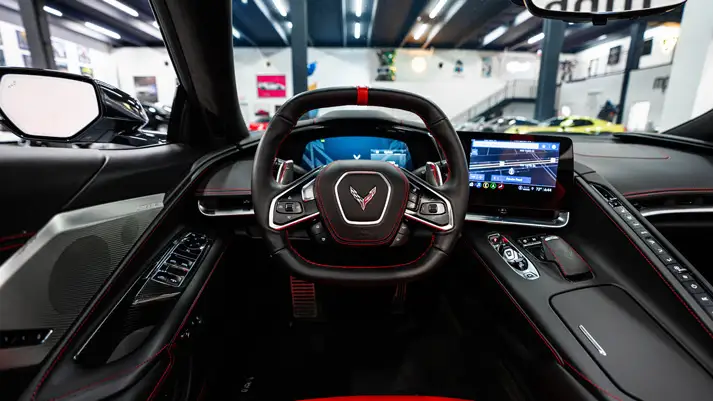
(481, 63)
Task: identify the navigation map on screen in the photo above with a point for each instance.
(531, 166)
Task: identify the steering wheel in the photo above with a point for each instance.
(361, 202)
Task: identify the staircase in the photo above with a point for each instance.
(519, 90)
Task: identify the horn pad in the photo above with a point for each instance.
(362, 201)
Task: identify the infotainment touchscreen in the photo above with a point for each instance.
(529, 166)
(518, 174)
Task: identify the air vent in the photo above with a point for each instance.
(239, 205)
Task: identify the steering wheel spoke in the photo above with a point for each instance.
(427, 205)
(295, 204)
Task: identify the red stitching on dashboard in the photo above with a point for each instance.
(361, 242)
(656, 270)
(163, 376)
(642, 194)
(591, 382)
(103, 294)
(16, 236)
(8, 247)
(425, 252)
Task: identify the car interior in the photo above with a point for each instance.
(353, 254)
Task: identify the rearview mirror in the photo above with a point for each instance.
(599, 11)
(53, 106)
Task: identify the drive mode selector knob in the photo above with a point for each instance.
(513, 257)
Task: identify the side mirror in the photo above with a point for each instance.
(599, 11)
(54, 106)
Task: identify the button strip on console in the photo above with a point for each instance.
(687, 279)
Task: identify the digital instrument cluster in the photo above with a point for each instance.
(321, 152)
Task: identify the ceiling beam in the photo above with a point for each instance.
(275, 25)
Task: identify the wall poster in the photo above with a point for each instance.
(22, 40)
(271, 86)
(386, 71)
(83, 55)
(146, 90)
(87, 71)
(487, 68)
(59, 50)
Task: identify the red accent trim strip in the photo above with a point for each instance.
(652, 192)
(289, 245)
(386, 398)
(8, 247)
(656, 270)
(362, 95)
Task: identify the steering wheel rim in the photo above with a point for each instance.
(454, 190)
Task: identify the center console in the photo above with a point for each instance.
(603, 296)
(617, 317)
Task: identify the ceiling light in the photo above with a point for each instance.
(280, 8)
(494, 34)
(522, 17)
(437, 9)
(102, 30)
(155, 24)
(244, 1)
(358, 6)
(289, 24)
(536, 38)
(602, 37)
(123, 7)
(357, 30)
(236, 33)
(52, 11)
(420, 31)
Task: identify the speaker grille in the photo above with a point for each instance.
(79, 271)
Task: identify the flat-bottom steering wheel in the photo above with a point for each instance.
(362, 202)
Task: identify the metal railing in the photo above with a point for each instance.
(515, 89)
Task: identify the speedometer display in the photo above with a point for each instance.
(321, 152)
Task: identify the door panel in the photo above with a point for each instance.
(70, 217)
(47, 284)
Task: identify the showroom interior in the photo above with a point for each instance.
(476, 59)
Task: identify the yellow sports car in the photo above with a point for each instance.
(571, 124)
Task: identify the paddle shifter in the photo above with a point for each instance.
(517, 261)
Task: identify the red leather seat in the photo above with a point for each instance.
(386, 398)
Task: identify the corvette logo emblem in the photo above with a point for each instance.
(365, 200)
